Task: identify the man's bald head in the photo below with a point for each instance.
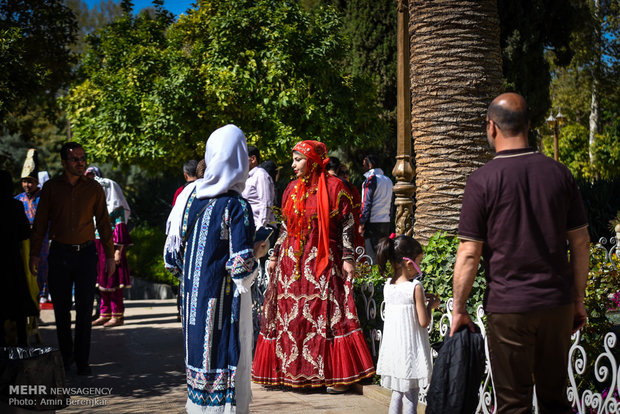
(509, 113)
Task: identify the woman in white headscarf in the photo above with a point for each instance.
(211, 246)
(112, 307)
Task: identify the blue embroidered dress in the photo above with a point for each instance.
(217, 265)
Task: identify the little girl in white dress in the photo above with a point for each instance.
(404, 358)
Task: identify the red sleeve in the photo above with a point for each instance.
(176, 194)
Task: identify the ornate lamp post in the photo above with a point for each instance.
(403, 171)
(555, 123)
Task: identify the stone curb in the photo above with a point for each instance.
(380, 394)
(144, 290)
(375, 392)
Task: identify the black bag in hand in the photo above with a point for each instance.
(457, 374)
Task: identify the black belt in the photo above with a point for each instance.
(72, 247)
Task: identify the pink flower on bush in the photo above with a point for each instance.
(615, 301)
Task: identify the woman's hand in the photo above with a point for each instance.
(348, 268)
(117, 257)
(272, 265)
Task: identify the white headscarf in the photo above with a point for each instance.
(43, 177)
(114, 197)
(226, 157)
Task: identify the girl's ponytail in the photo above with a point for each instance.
(385, 252)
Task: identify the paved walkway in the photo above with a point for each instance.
(142, 363)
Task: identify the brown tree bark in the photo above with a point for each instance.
(455, 74)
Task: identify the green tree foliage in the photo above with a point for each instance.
(369, 30)
(275, 70)
(35, 63)
(573, 151)
(597, 42)
(34, 58)
(571, 91)
(127, 6)
(125, 71)
(40, 127)
(527, 29)
(11, 63)
(153, 91)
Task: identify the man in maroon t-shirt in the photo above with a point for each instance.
(518, 212)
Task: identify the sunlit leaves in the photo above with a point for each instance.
(269, 67)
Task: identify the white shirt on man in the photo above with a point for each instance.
(260, 193)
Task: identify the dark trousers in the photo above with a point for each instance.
(373, 232)
(526, 349)
(67, 268)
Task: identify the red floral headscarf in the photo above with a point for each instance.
(295, 207)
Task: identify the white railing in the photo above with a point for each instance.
(606, 371)
(258, 295)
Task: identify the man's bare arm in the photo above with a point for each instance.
(579, 241)
(465, 269)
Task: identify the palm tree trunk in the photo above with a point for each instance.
(455, 73)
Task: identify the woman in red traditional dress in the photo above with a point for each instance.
(310, 334)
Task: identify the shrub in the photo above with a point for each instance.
(145, 257)
(438, 268)
(602, 285)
